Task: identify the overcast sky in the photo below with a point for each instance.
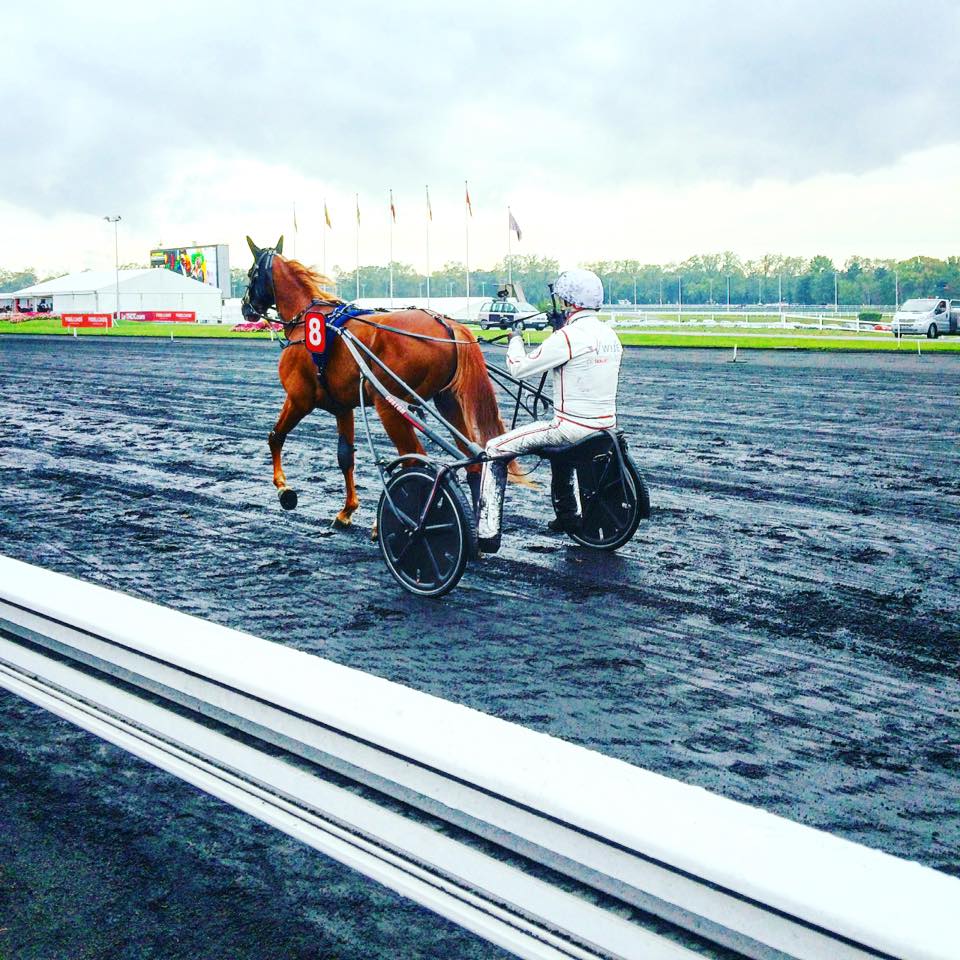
(650, 131)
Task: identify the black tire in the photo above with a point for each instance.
(431, 561)
(932, 332)
(613, 504)
(484, 324)
(519, 327)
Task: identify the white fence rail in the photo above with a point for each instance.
(823, 320)
(560, 851)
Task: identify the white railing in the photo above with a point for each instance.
(295, 740)
(698, 320)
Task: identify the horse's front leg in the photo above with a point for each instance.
(289, 417)
(345, 438)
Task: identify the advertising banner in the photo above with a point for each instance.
(209, 264)
(159, 316)
(86, 320)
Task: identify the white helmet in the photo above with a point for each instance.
(580, 287)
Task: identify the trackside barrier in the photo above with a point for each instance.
(561, 852)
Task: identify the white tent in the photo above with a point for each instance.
(95, 291)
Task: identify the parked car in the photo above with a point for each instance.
(930, 316)
(508, 313)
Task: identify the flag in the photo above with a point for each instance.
(515, 226)
(469, 204)
(429, 208)
(358, 209)
(326, 214)
(393, 209)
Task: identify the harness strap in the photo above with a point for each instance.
(343, 312)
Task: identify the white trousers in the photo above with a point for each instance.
(526, 439)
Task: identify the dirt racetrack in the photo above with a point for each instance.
(784, 630)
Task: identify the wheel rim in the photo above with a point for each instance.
(428, 561)
(609, 500)
(611, 507)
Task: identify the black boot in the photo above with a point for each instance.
(568, 519)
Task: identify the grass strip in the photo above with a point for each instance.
(747, 340)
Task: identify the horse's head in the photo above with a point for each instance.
(260, 295)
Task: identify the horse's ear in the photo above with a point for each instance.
(254, 249)
(279, 246)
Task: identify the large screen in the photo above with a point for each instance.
(208, 264)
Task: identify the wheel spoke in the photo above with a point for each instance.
(433, 561)
(610, 513)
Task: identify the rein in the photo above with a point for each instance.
(298, 321)
(260, 290)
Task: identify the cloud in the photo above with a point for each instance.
(137, 109)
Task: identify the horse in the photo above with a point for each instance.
(440, 360)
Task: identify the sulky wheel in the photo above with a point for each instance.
(612, 501)
(426, 530)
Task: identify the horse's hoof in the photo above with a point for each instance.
(339, 524)
(374, 534)
(288, 498)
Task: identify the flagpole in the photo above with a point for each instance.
(466, 223)
(325, 228)
(509, 249)
(294, 229)
(391, 247)
(357, 196)
(429, 218)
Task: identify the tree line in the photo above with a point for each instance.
(709, 278)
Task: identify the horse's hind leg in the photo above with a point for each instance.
(289, 417)
(345, 438)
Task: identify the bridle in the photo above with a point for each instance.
(260, 295)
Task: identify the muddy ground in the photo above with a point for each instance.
(783, 631)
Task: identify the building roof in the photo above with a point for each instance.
(155, 280)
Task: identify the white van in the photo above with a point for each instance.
(931, 317)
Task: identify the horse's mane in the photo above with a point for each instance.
(318, 285)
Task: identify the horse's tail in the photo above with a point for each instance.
(472, 387)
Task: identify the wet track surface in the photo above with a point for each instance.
(783, 631)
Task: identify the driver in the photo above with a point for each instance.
(584, 355)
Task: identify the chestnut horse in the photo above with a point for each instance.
(449, 371)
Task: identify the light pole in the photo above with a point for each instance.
(836, 294)
(728, 293)
(483, 288)
(116, 259)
